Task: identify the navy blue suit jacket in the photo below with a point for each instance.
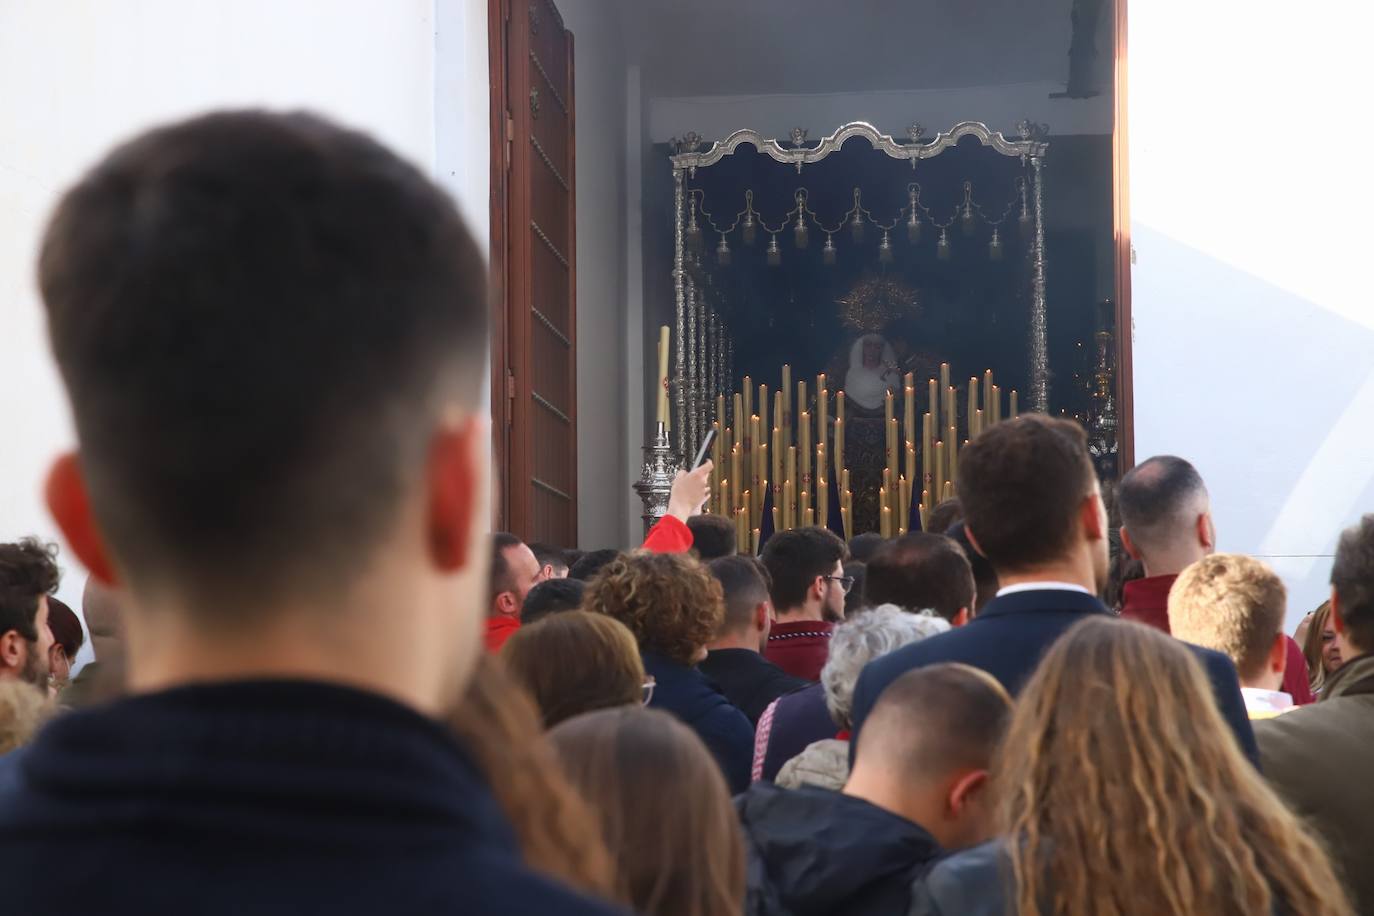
(1008, 639)
(723, 728)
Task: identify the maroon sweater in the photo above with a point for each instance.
(800, 647)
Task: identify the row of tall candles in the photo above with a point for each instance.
(790, 455)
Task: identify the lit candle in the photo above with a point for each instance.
(844, 522)
(735, 459)
(820, 382)
(940, 462)
(738, 418)
(949, 490)
(717, 472)
(662, 399)
(911, 461)
(885, 526)
(756, 473)
(798, 409)
(997, 403)
(952, 453)
(822, 417)
(839, 445)
(804, 453)
(973, 407)
(808, 517)
(839, 406)
(764, 427)
(987, 396)
(724, 499)
(978, 421)
(822, 488)
(951, 414)
(909, 428)
(789, 495)
(790, 514)
(1012, 412)
(927, 453)
(754, 543)
(944, 378)
(903, 501)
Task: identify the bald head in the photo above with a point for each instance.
(1165, 514)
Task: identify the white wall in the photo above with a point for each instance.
(78, 75)
(1254, 324)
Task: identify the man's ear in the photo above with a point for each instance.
(1128, 545)
(453, 498)
(968, 532)
(1094, 520)
(1206, 531)
(70, 505)
(1278, 654)
(13, 648)
(965, 789)
(763, 615)
(505, 605)
(960, 618)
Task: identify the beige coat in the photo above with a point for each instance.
(1319, 759)
(823, 763)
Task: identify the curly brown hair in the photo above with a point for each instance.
(1127, 794)
(670, 602)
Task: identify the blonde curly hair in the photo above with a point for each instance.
(1122, 792)
(670, 602)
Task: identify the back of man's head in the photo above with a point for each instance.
(795, 558)
(921, 571)
(863, 547)
(590, 563)
(984, 576)
(501, 577)
(744, 583)
(944, 515)
(262, 320)
(935, 719)
(552, 558)
(1352, 581)
(713, 536)
(1233, 604)
(1022, 483)
(552, 596)
(1160, 501)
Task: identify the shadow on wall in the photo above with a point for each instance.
(1269, 394)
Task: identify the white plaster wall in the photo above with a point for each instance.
(1254, 325)
(78, 75)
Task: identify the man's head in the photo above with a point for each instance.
(985, 582)
(1031, 499)
(28, 575)
(590, 563)
(552, 596)
(864, 547)
(748, 610)
(1166, 517)
(553, 562)
(945, 515)
(1235, 605)
(806, 566)
(67, 639)
(713, 537)
(273, 334)
(514, 571)
(922, 572)
(1352, 589)
(925, 751)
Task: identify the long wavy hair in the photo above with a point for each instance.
(499, 726)
(1312, 647)
(663, 808)
(1125, 793)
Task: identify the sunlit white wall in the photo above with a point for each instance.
(1254, 320)
(78, 75)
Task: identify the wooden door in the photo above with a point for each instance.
(534, 341)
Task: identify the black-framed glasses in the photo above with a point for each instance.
(846, 582)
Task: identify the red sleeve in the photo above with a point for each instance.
(1295, 682)
(670, 535)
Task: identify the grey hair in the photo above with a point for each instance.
(864, 637)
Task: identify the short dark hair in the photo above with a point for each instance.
(744, 583)
(1352, 576)
(591, 562)
(28, 571)
(500, 580)
(985, 581)
(944, 515)
(921, 571)
(548, 555)
(65, 627)
(1021, 482)
(936, 719)
(713, 536)
(795, 558)
(552, 596)
(258, 317)
(1151, 496)
(862, 547)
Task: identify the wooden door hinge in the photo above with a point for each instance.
(510, 396)
(510, 138)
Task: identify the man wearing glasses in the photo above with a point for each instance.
(808, 589)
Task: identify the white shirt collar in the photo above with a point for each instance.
(1262, 704)
(1039, 586)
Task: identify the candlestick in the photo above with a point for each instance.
(809, 517)
(997, 403)
(903, 502)
(839, 445)
(909, 431)
(951, 411)
(738, 421)
(934, 397)
(894, 458)
(742, 523)
(764, 425)
(778, 452)
(987, 395)
(839, 406)
(790, 487)
(662, 399)
(973, 407)
(949, 490)
(804, 453)
(978, 419)
(790, 515)
(723, 498)
(820, 382)
(756, 473)
(927, 453)
(822, 416)
(885, 526)
(799, 408)
(940, 475)
(754, 542)
(822, 489)
(1012, 412)
(944, 380)
(844, 522)
(785, 419)
(735, 461)
(911, 461)
(952, 453)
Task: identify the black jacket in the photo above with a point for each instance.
(814, 852)
(975, 882)
(264, 797)
(688, 694)
(1007, 640)
(748, 680)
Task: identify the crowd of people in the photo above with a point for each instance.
(320, 685)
